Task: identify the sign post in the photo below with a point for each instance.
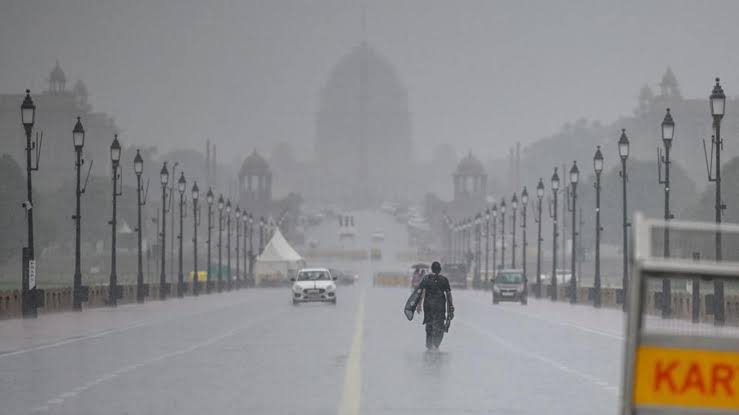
(677, 365)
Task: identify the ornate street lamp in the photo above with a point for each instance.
(574, 178)
(494, 213)
(668, 132)
(555, 233)
(524, 204)
(539, 240)
(718, 106)
(115, 158)
(78, 139)
(478, 248)
(138, 168)
(228, 245)
(208, 278)
(502, 233)
(221, 205)
(238, 239)
(623, 152)
(195, 194)
(164, 180)
(598, 167)
(28, 285)
(181, 185)
(487, 246)
(514, 205)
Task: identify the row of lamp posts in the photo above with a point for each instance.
(32, 297)
(460, 231)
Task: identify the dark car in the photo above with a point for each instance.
(456, 274)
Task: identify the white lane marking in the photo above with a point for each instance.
(141, 323)
(553, 363)
(560, 323)
(59, 399)
(351, 394)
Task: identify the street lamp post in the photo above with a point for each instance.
(245, 224)
(487, 246)
(138, 168)
(221, 205)
(195, 194)
(208, 278)
(668, 132)
(238, 250)
(574, 178)
(718, 106)
(28, 281)
(251, 247)
(555, 234)
(514, 205)
(163, 286)
(623, 152)
(181, 183)
(598, 167)
(502, 233)
(228, 245)
(115, 158)
(478, 250)
(78, 137)
(495, 241)
(524, 204)
(539, 240)
(262, 223)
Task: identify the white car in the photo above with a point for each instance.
(314, 285)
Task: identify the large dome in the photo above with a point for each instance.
(254, 165)
(364, 112)
(470, 166)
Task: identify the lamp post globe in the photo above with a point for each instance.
(487, 214)
(78, 135)
(164, 174)
(555, 181)
(623, 145)
(668, 128)
(138, 163)
(115, 151)
(495, 211)
(220, 202)
(524, 197)
(28, 111)
(195, 192)
(574, 173)
(502, 206)
(209, 196)
(540, 189)
(598, 161)
(181, 183)
(514, 202)
(228, 206)
(718, 101)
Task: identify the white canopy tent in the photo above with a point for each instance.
(277, 262)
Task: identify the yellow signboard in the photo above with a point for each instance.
(696, 378)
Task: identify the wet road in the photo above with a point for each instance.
(251, 351)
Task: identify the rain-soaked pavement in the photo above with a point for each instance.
(252, 352)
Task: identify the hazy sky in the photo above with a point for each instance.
(480, 74)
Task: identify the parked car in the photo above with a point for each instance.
(313, 285)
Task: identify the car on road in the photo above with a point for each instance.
(456, 274)
(313, 285)
(508, 285)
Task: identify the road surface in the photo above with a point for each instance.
(252, 352)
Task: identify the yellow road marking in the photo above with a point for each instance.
(350, 397)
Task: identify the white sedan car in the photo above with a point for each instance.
(314, 285)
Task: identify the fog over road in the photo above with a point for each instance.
(251, 351)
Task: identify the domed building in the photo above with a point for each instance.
(363, 130)
(255, 185)
(470, 181)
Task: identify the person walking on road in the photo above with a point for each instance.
(436, 303)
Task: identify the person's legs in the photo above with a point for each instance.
(429, 341)
(437, 334)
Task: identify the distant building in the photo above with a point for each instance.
(57, 110)
(363, 131)
(255, 186)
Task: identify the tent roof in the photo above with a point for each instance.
(279, 250)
